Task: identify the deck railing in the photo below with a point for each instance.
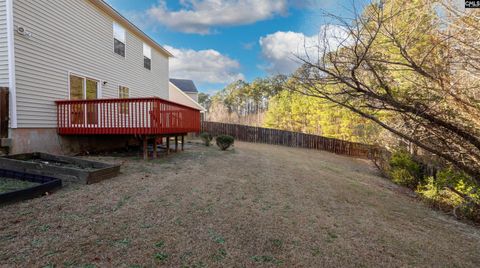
(133, 116)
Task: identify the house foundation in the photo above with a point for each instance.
(48, 141)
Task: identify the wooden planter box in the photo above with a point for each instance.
(69, 169)
(46, 184)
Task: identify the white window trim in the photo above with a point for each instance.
(99, 84)
(11, 66)
(118, 91)
(145, 45)
(113, 40)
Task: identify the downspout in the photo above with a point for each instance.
(11, 66)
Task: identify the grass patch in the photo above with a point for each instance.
(161, 256)
(217, 238)
(44, 228)
(269, 210)
(10, 185)
(70, 263)
(123, 242)
(316, 251)
(160, 244)
(219, 255)
(266, 259)
(121, 202)
(331, 236)
(277, 243)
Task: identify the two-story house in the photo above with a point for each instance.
(80, 75)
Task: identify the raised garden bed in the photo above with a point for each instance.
(70, 169)
(16, 186)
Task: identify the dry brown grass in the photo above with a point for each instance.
(258, 205)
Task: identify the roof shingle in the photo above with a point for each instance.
(185, 85)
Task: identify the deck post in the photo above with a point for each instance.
(155, 147)
(183, 140)
(145, 148)
(168, 145)
(176, 143)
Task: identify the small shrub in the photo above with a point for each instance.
(403, 177)
(206, 138)
(224, 141)
(404, 170)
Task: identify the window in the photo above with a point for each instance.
(83, 88)
(147, 57)
(119, 39)
(123, 93)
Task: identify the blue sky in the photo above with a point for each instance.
(218, 41)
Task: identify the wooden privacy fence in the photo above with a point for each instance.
(4, 112)
(291, 139)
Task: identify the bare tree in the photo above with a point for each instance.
(410, 66)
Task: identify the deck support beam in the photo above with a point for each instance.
(155, 147)
(145, 148)
(176, 143)
(183, 141)
(168, 145)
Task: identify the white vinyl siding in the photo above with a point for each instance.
(75, 36)
(178, 96)
(194, 96)
(3, 45)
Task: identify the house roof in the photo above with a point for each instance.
(186, 96)
(185, 85)
(119, 18)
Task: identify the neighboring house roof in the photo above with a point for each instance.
(185, 85)
(119, 18)
(182, 93)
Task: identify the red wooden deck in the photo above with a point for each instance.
(133, 116)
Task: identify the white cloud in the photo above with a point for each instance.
(203, 66)
(282, 50)
(248, 46)
(200, 16)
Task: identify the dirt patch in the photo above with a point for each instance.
(59, 164)
(256, 205)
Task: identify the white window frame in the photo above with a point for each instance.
(118, 90)
(149, 48)
(113, 40)
(85, 77)
(77, 74)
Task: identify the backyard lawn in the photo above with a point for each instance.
(256, 205)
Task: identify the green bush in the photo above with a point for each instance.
(403, 177)
(449, 190)
(438, 193)
(206, 138)
(224, 141)
(439, 197)
(404, 170)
